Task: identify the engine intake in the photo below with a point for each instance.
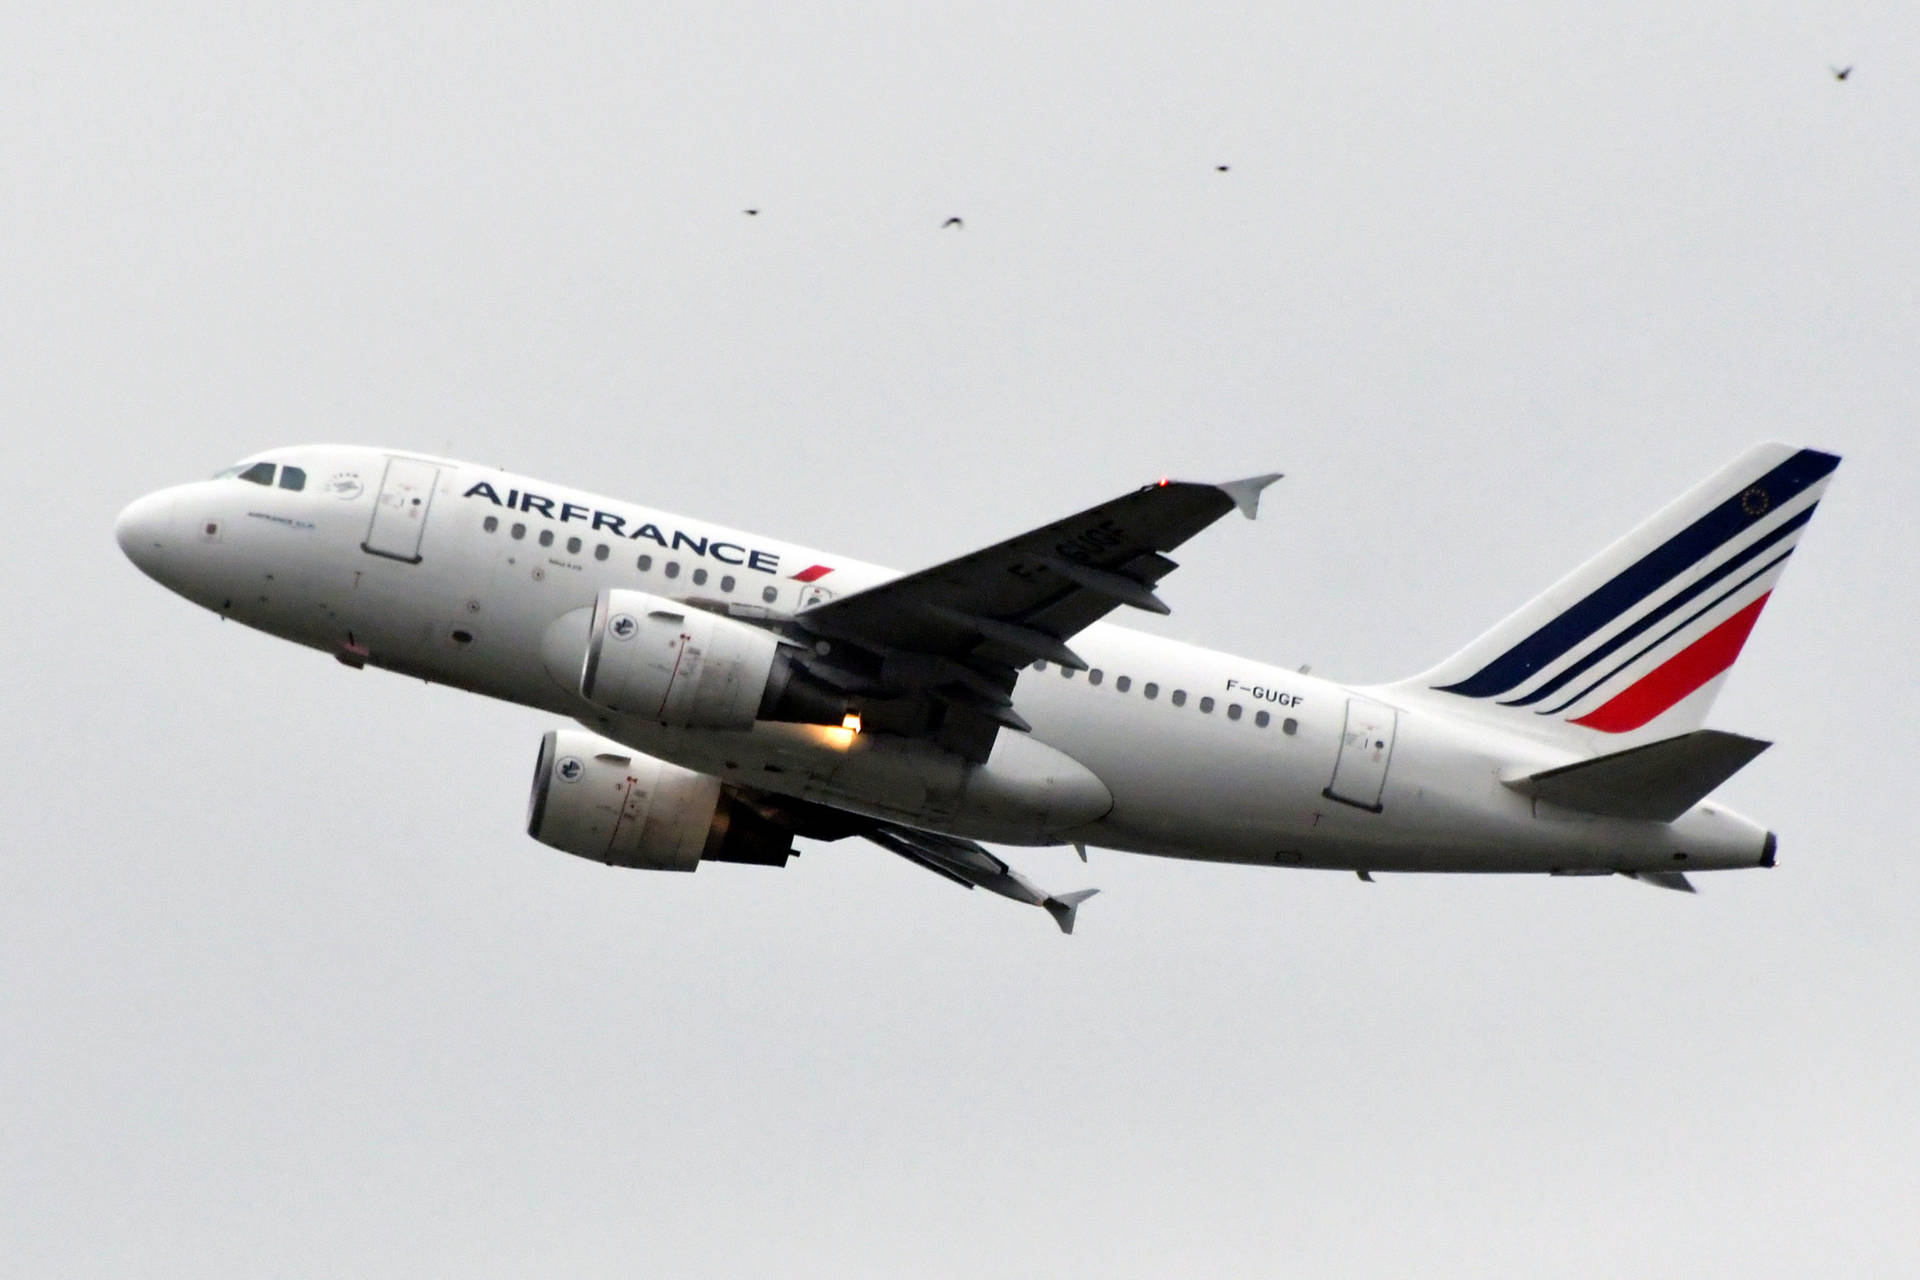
(596, 799)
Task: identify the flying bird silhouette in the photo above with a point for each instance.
(751, 213)
(952, 222)
(1841, 73)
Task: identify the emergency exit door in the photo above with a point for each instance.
(400, 512)
(1366, 745)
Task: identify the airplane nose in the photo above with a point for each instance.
(144, 530)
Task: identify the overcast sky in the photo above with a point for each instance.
(285, 988)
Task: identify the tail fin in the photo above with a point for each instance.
(1636, 641)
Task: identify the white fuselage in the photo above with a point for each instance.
(1205, 755)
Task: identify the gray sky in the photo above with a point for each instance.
(287, 989)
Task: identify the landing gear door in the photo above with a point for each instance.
(400, 512)
(1366, 745)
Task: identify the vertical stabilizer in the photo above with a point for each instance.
(1634, 644)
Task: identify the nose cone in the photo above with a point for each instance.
(145, 531)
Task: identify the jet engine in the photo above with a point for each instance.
(658, 659)
(596, 799)
(652, 658)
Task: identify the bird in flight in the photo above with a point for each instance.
(955, 222)
(1221, 168)
(1841, 73)
(751, 213)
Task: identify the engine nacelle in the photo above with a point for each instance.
(661, 660)
(596, 799)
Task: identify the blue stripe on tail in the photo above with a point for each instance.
(1648, 574)
(1653, 616)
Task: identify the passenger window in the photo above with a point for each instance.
(1289, 725)
(1179, 697)
(1206, 706)
(546, 537)
(1261, 719)
(601, 552)
(1040, 664)
(293, 478)
(673, 568)
(645, 563)
(1233, 711)
(768, 594)
(1151, 691)
(699, 577)
(1123, 683)
(259, 473)
(1066, 673)
(1095, 676)
(573, 546)
(490, 523)
(726, 584)
(519, 531)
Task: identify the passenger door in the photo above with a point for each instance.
(400, 512)
(1366, 745)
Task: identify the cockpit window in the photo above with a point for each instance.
(293, 478)
(259, 473)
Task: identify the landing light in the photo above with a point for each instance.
(851, 723)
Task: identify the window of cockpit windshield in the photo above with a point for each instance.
(259, 473)
(293, 478)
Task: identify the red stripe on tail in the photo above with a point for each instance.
(1677, 677)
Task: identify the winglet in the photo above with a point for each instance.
(1246, 493)
(1063, 907)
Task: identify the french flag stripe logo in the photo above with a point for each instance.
(1764, 576)
(1658, 691)
(1666, 609)
(1733, 520)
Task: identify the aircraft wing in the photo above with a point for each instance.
(962, 861)
(956, 635)
(969, 864)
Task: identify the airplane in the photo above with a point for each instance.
(731, 693)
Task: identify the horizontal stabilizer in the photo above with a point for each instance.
(1657, 782)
